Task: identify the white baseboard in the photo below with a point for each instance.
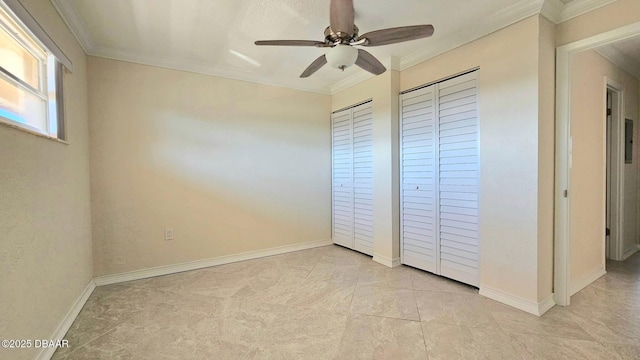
(67, 321)
(199, 264)
(535, 308)
(584, 281)
(388, 262)
(627, 254)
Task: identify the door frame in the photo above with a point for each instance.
(616, 245)
(562, 228)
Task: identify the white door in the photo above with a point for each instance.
(418, 169)
(439, 186)
(458, 178)
(363, 177)
(342, 172)
(352, 142)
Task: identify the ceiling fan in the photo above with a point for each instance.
(342, 35)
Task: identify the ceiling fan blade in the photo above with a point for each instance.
(368, 62)
(315, 66)
(291, 43)
(341, 16)
(396, 35)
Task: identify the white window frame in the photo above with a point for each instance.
(48, 66)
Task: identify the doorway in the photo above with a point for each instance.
(564, 232)
(614, 171)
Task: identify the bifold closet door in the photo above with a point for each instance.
(458, 178)
(342, 172)
(418, 203)
(363, 178)
(439, 186)
(352, 145)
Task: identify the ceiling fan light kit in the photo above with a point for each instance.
(341, 37)
(341, 56)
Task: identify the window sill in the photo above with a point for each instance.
(32, 132)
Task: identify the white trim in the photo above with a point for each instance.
(629, 252)
(587, 279)
(199, 264)
(535, 308)
(617, 168)
(388, 262)
(563, 150)
(580, 7)
(552, 9)
(348, 82)
(440, 45)
(75, 23)
(391, 63)
(67, 321)
(202, 68)
(557, 12)
(33, 28)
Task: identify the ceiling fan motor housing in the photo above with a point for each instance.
(340, 37)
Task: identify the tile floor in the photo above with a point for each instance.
(332, 303)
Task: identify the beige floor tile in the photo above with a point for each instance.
(327, 296)
(330, 302)
(543, 348)
(378, 275)
(372, 337)
(386, 302)
(422, 280)
(450, 308)
(556, 322)
(447, 342)
(335, 273)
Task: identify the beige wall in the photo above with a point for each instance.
(546, 155)
(508, 105)
(383, 90)
(508, 101)
(45, 257)
(606, 18)
(588, 131)
(231, 166)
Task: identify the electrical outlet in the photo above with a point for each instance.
(168, 234)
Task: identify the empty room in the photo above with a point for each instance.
(323, 179)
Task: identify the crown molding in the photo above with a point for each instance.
(440, 45)
(201, 68)
(75, 23)
(554, 10)
(391, 63)
(499, 20)
(620, 59)
(579, 7)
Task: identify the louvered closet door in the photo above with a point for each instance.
(342, 143)
(363, 178)
(458, 184)
(418, 203)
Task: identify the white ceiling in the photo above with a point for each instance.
(625, 54)
(630, 47)
(216, 37)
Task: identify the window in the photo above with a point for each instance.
(30, 80)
